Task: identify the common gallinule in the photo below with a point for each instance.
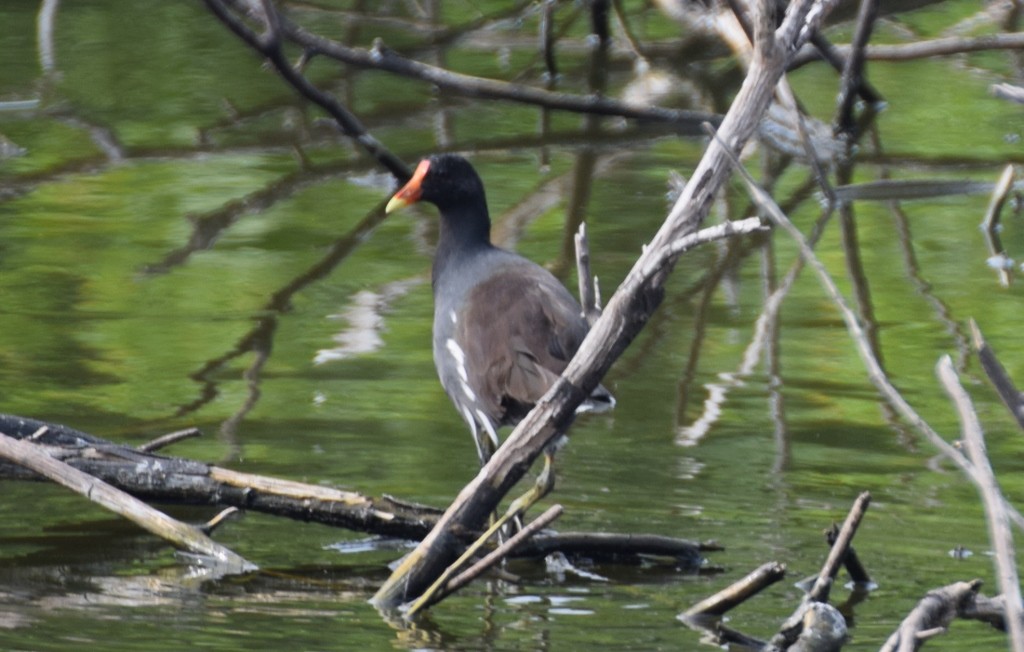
(504, 327)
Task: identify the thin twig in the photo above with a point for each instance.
(547, 39)
(220, 519)
(1012, 397)
(928, 49)
(853, 71)
(585, 279)
(270, 45)
(502, 551)
(992, 498)
(990, 225)
(674, 250)
(441, 586)
(876, 374)
(170, 438)
(1000, 193)
(838, 61)
(380, 57)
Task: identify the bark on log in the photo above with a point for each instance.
(175, 480)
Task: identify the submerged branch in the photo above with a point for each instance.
(815, 618)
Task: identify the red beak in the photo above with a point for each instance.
(410, 192)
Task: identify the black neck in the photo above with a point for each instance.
(464, 230)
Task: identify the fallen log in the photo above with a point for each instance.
(175, 480)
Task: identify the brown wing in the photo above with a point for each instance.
(525, 328)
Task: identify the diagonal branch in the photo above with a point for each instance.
(999, 533)
(624, 317)
(180, 534)
(270, 44)
(380, 57)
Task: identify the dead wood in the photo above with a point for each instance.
(1012, 397)
(853, 70)
(987, 610)
(736, 593)
(1006, 91)
(822, 629)
(271, 45)
(927, 49)
(932, 616)
(999, 532)
(174, 480)
(815, 626)
(861, 341)
(991, 225)
(185, 537)
(444, 586)
(590, 299)
(851, 562)
(814, 622)
(277, 30)
(608, 546)
(837, 554)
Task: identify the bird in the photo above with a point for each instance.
(504, 327)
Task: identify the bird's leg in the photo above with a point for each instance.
(542, 486)
(486, 446)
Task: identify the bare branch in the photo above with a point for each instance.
(819, 592)
(992, 498)
(737, 592)
(380, 57)
(179, 534)
(853, 71)
(861, 341)
(990, 224)
(168, 439)
(270, 45)
(932, 615)
(1012, 397)
(493, 557)
(938, 47)
(585, 279)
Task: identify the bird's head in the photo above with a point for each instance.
(445, 180)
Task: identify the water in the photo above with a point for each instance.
(140, 297)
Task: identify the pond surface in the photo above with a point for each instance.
(183, 244)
